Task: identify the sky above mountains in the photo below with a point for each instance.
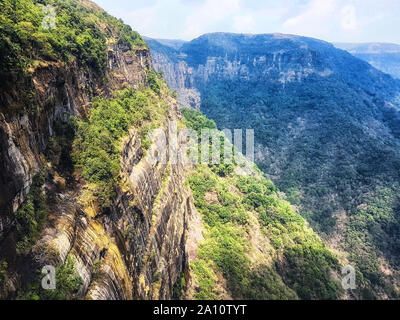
(331, 20)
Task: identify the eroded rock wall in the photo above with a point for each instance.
(134, 250)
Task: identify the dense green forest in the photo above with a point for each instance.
(79, 34)
(301, 264)
(25, 39)
(353, 169)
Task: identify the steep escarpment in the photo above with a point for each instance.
(135, 246)
(326, 130)
(38, 90)
(177, 74)
(122, 239)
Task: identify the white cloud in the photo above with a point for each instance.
(331, 20)
(244, 23)
(208, 15)
(312, 19)
(142, 19)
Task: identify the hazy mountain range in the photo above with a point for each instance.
(383, 56)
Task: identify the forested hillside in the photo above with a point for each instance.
(262, 248)
(327, 133)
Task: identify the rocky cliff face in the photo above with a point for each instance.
(138, 247)
(278, 58)
(60, 91)
(177, 73)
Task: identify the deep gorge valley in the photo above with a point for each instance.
(84, 189)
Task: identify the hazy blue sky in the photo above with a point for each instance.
(331, 20)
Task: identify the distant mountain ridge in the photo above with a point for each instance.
(173, 43)
(307, 56)
(369, 47)
(383, 56)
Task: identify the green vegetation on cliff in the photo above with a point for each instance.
(96, 148)
(31, 216)
(253, 239)
(80, 32)
(296, 265)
